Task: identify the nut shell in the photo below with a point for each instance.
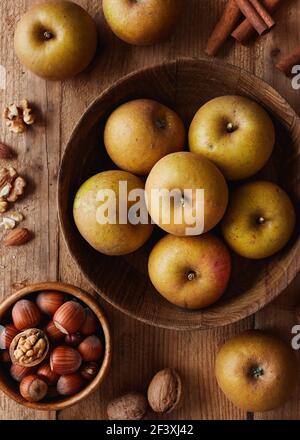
(29, 348)
(91, 348)
(53, 333)
(164, 392)
(33, 388)
(90, 324)
(50, 302)
(73, 340)
(7, 335)
(17, 237)
(89, 370)
(25, 315)
(131, 406)
(69, 317)
(70, 384)
(49, 376)
(18, 373)
(65, 360)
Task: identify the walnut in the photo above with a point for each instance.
(29, 348)
(10, 221)
(28, 115)
(132, 406)
(11, 187)
(7, 223)
(17, 189)
(18, 117)
(164, 391)
(3, 206)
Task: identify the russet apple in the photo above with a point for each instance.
(235, 133)
(139, 133)
(186, 172)
(108, 237)
(256, 371)
(144, 22)
(190, 272)
(56, 40)
(259, 220)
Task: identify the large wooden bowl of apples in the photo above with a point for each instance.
(55, 346)
(206, 258)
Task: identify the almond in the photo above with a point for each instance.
(5, 151)
(17, 237)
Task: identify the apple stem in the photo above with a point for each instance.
(191, 276)
(260, 220)
(230, 127)
(48, 35)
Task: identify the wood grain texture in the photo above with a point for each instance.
(140, 350)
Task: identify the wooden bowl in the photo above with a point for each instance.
(184, 85)
(11, 388)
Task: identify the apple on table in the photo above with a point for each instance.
(143, 23)
(56, 40)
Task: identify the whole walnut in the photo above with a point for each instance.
(164, 392)
(131, 406)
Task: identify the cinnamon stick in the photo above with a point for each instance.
(245, 31)
(262, 11)
(223, 28)
(287, 62)
(253, 16)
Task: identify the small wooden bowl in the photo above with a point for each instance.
(184, 85)
(10, 387)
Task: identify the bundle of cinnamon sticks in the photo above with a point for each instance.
(242, 19)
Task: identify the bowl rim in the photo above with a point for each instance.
(95, 307)
(247, 308)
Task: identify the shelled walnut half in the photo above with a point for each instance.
(18, 117)
(11, 187)
(29, 348)
(11, 220)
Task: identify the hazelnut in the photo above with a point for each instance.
(25, 314)
(29, 348)
(18, 373)
(164, 391)
(90, 324)
(47, 374)
(65, 360)
(50, 302)
(69, 317)
(70, 384)
(7, 334)
(91, 349)
(73, 340)
(33, 388)
(53, 333)
(132, 406)
(89, 370)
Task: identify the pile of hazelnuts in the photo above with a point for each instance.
(52, 345)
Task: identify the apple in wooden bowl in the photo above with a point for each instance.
(184, 86)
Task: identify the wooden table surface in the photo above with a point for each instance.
(139, 350)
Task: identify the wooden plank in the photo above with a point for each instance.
(139, 350)
(38, 158)
(280, 315)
